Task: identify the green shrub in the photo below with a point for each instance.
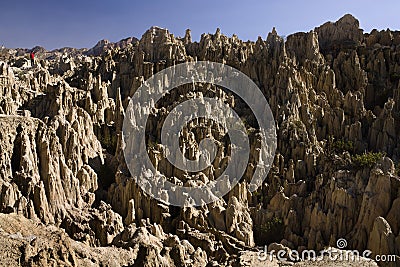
(342, 146)
(367, 159)
(339, 146)
(271, 224)
(269, 231)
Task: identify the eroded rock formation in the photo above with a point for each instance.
(334, 93)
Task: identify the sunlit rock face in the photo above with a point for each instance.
(335, 96)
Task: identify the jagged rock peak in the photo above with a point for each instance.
(188, 36)
(156, 35)
(102, 43)
(304, 46)
(274, 31)
(349, 20)
(273, 35)
(61, 157)
(105, 44)
(158, 43)
(276, 42)
(38, 49)
(344, 32)
(155, 31)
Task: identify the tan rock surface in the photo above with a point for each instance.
(334, 93)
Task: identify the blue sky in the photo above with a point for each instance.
(55, 24)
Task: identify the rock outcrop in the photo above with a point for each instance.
(67, 197)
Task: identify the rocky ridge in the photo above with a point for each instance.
(334, 93)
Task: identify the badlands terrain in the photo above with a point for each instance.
(67, 197)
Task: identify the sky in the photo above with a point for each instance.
(81, 23)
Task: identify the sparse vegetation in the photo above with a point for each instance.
(368, 159)
(270, 231)
(342, 146)
(339, 146)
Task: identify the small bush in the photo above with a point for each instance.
(367, 159)
(339, 146)
(342, 146)
(269, 231)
